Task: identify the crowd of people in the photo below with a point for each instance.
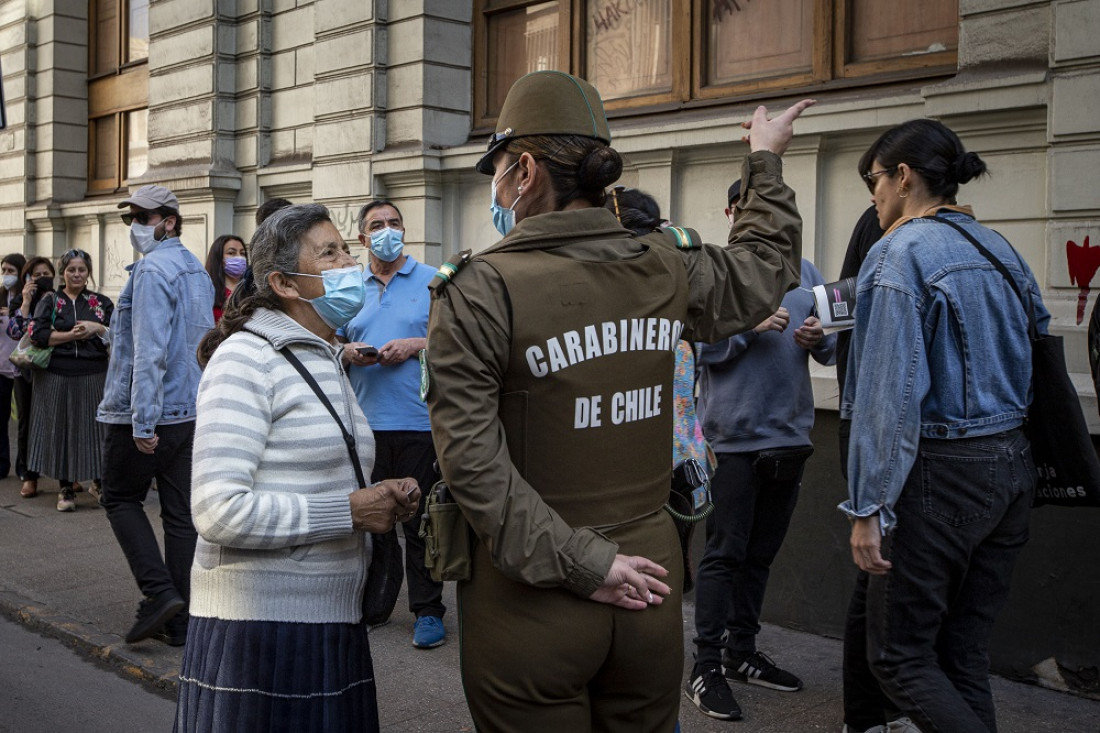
(292, 407)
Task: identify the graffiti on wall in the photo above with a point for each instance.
(1083, 260)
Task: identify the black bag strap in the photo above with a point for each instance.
(349, 440)
(1029, 304)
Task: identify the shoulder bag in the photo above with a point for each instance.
(1066, 461)
(386, 569)
(29, 355)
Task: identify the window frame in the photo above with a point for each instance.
(113, 93)
(831, 65)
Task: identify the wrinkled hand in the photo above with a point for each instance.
(380, 507)
(400, 350)
(775, 322)
(810, 333)
(867, 546)
(147, 445)
(775, 134)
(632, 583)
(354, 358)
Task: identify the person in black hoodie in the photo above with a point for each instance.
(65, 440)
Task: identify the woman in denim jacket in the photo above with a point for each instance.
(940, 471)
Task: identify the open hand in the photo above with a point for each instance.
(867, 546)
(775, 134)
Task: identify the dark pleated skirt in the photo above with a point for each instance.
(276, 676)
(66, 442)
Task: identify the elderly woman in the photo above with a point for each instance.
(279, 500)
(940, 471)
(551, 360)
(65, 439)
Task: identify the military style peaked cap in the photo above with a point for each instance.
(547, 103)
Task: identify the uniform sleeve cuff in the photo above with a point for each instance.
(592, 555)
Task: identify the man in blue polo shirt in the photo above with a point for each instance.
(382, 350)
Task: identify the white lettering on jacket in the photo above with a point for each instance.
(602, 339)
(628, 406)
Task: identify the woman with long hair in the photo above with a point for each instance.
(65, 440)
(37, 278)
(225, 263)
(939, 469)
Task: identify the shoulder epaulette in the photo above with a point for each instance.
(448, 269)
(684, 238)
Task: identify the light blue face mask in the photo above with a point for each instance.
(345, 294)
(386, 244)
(503, 219)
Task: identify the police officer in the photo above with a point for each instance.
(550, 361)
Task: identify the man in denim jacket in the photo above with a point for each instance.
(148, 407)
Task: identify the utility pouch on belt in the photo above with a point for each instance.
(781, 464)
(446, 536)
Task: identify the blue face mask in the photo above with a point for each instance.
(503, 219)
(345, 294)
(386, 244)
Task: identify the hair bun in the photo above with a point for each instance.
(600, 168)
(968, 166)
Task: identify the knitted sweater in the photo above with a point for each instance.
(271, 479)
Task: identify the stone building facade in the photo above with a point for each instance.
(342, 101)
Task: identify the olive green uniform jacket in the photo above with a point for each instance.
(732, 289)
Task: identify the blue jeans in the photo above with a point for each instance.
(963, 518)
(744, 534)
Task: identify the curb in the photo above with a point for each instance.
(126, 660)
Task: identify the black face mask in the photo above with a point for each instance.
(44, 284)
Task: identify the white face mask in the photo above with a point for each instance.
(10, 281)
(143, 237)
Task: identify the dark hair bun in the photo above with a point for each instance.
(600, 168)
(968, 166)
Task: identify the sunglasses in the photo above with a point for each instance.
(142, 217)
(76, 253)
(871, 178)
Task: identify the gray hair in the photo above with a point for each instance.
(277, 242)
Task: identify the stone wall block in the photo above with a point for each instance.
(304, 65)
(292, 107)
(337, 53)
(1074, 109)
(179, 154)
(170, 15)
(247, 74)
(247, 33)
(283, 70)
(168, 123)
(1021, 35)
(450, 88)
(333, 15)
(1075, 25)
(346, 136)
(342, 94)
(183, 48)
(340, 180)
(1070, 166)
(175, 86)
(292, 29)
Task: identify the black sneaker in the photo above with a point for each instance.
(758, 669)
(153, 614)
(710, 693)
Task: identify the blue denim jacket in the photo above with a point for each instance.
(940, 350)
(162, 313)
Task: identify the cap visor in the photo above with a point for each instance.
(485, 165)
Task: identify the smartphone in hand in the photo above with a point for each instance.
(368, 351)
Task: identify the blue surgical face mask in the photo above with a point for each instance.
(503, 219)
(386, 244)
(345, 294)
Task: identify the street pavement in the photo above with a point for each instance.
(63, 575)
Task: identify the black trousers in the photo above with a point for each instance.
(126, 476)
(397, 454)
(23, 390)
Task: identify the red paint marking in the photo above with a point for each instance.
(1083, 261)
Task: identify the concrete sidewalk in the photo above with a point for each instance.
(63, 574)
